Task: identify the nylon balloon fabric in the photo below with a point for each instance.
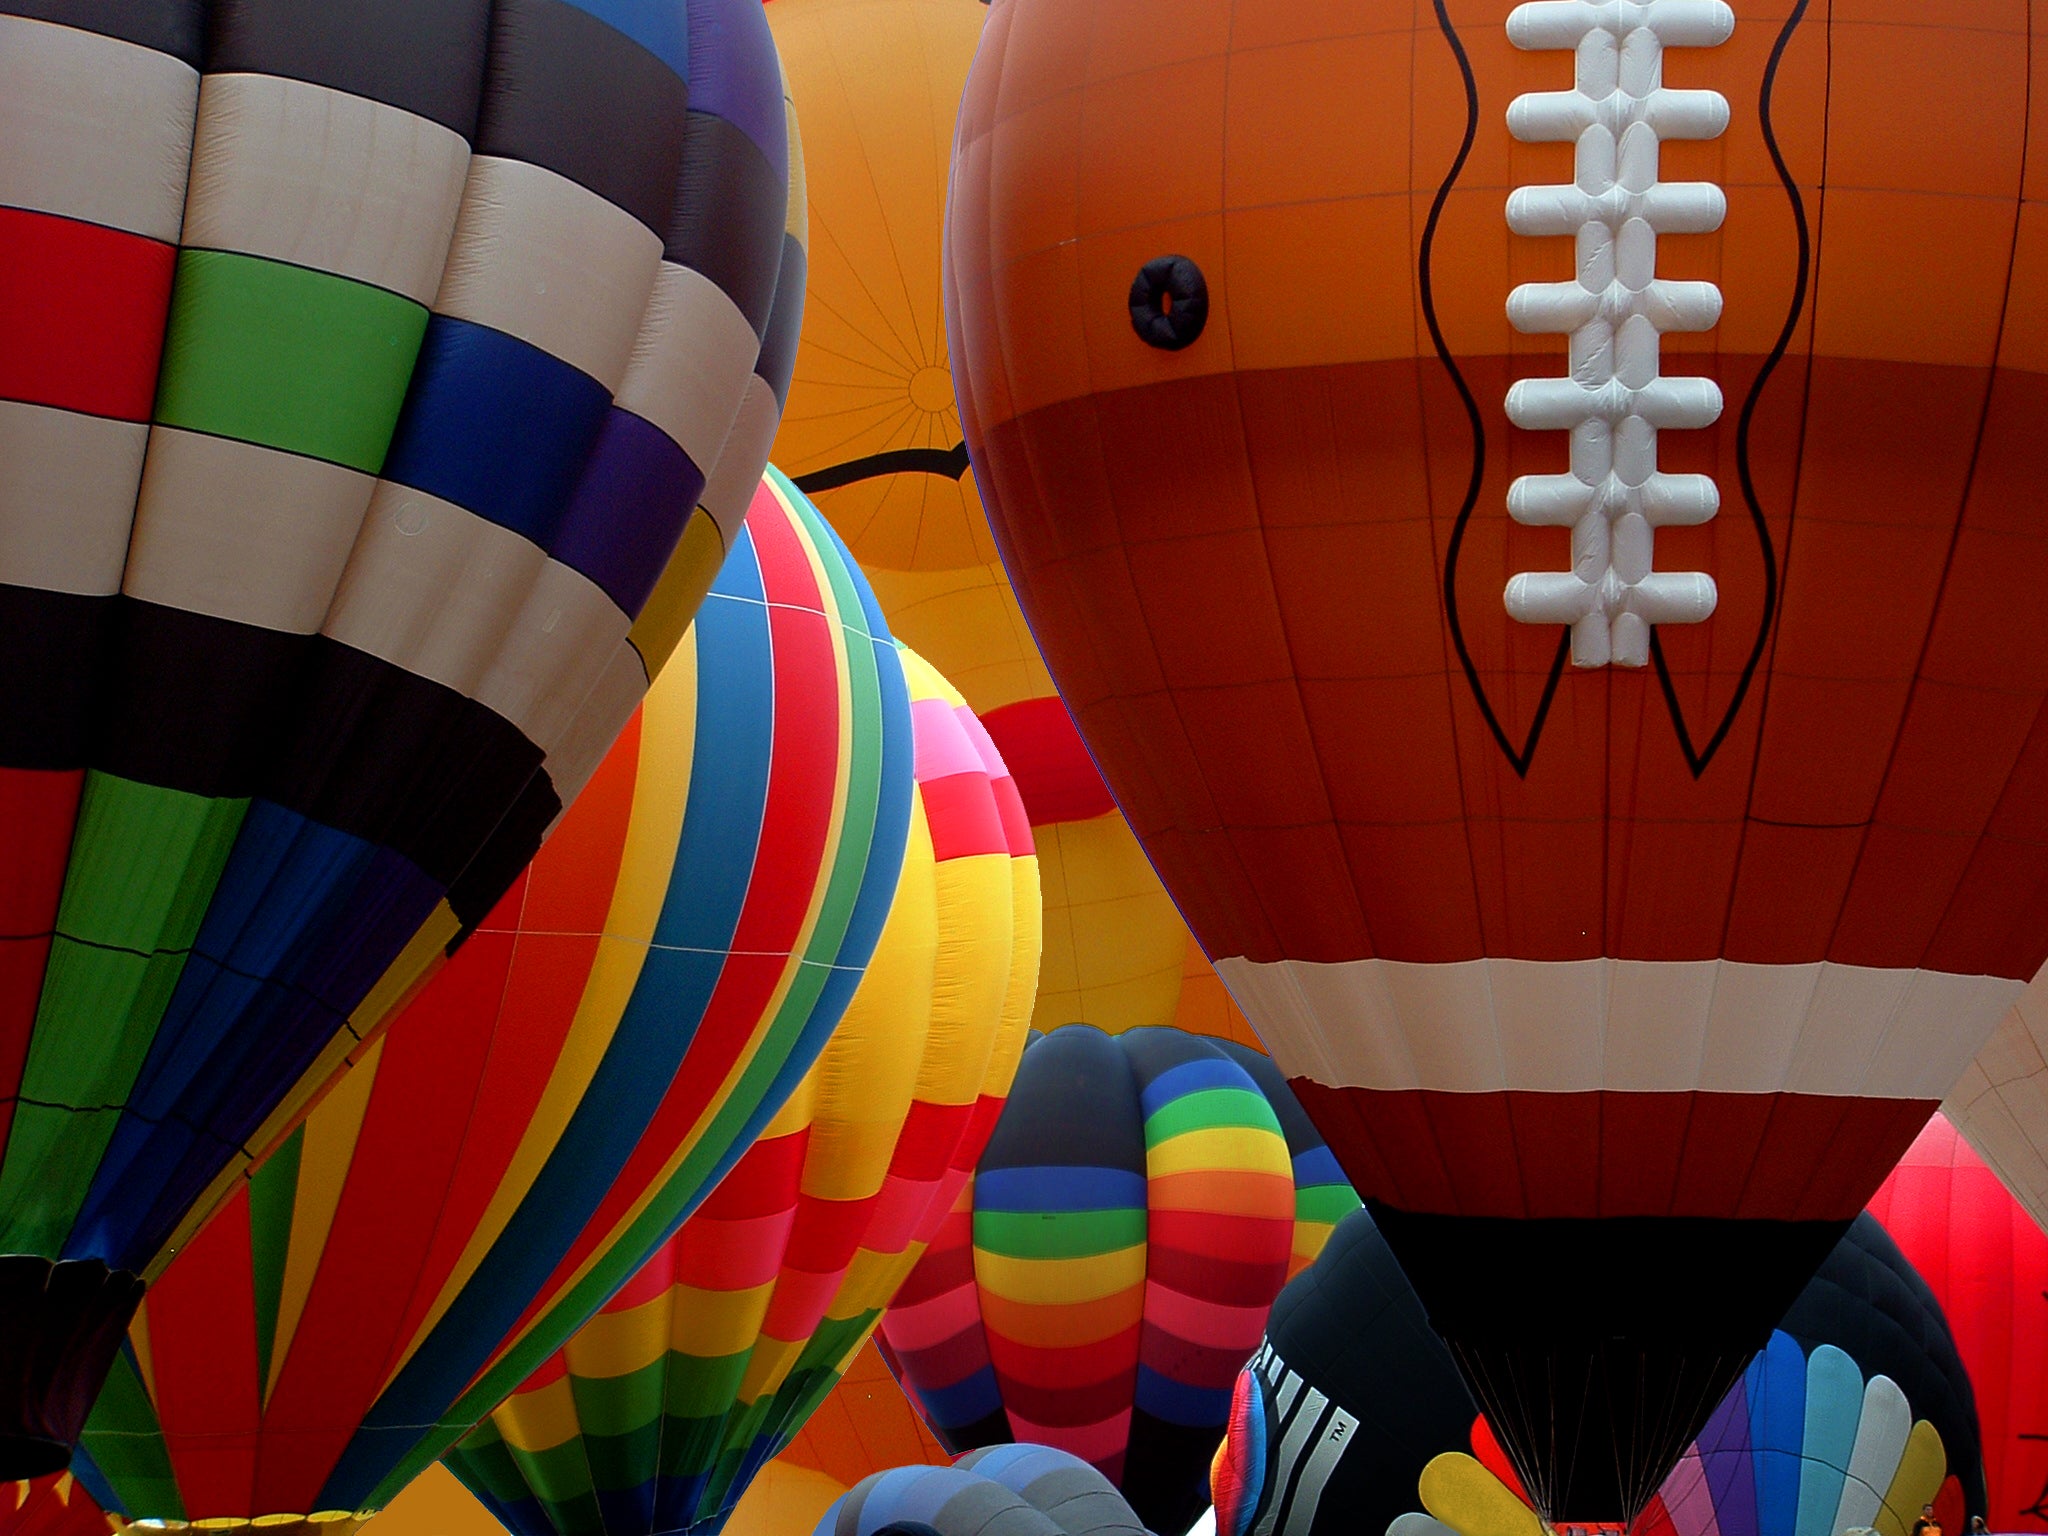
(563, 1092)
(1101, 1280)
(1355, 1413)
(1011, 1490)
(657, 1414)
(1985, 1262)
(363, 369)
(871, 433)
(53, 1505)
(1438, 484)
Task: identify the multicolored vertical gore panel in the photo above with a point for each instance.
(658, 1413)
(362, 368)
(564, 1091)
(1322, 1195)
(1131, 1221)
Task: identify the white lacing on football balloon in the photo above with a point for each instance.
(1613, 400)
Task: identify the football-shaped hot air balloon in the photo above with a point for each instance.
(360, 369)
(576, 1078)
(657, 1414)
(1986, 1262)
(1100, 1282)
(1006, 1490)
(1548, 561)
(1352, 1410)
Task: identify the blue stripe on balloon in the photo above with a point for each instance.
(1061, 1188)
(628, 510)
(497, 426)
(1834, 1407)
(619, 1509)
(1317, 1165)
(1724, 1457)
(1175, 1402)
(1196, 1076)
(911, 1493)
(736, 78)
(660, 26)
(1777, 1428)
(302, 922)
(962, 1402)
(707, 888)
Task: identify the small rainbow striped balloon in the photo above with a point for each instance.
(547, 1109)
(1099, 1283)
(660, 1410)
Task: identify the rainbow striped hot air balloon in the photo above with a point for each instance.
(1098, 1285)
(563, 1093)
(657, 1414)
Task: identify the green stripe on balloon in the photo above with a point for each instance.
(1069, 1235)
(303, 361)
(1208, 1110)
(273, 1189)
(144, 863)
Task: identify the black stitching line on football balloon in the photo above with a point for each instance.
(1518, 760)
(947, 463)
(1697, 761)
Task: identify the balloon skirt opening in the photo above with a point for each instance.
(60, 1323)
(1599, 1348)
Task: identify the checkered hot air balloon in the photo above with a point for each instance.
(641, 1002)
(380, 385)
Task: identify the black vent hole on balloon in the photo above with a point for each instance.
(1169, 303)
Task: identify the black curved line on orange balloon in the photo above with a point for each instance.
(1697, 760)
(947, 463)
(1518, 758)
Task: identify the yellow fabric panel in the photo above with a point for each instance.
(1921, 1469)
(678, 593)
(536, 1420)
(795, 1114)
(781, 1499)
(1051, 1282)
(1027, 950)
(1235, 1147)
(620, 1343)
(878, 83)
(1459, 1491)
(971, 980)
(712, 1324)
(138, 1340)
(968, 622)
(1114, 943)
(661, 790)
(864, 1079)
(328, 1147)
(872, 1279)
(768, 1367)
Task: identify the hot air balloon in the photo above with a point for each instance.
(52, 1505)
(1098, 1285)
(657, 1414)
(563, 1092)
(1353, 1409)
(1006, 1490)
(1318, 404)
(1986, 1262)
(361, 369)
(871, 433)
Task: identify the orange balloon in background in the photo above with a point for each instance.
(870, 432)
